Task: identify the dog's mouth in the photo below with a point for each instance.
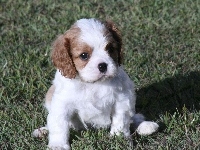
(100, 78)
(106, 77)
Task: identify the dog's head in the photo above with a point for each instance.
(90, 49)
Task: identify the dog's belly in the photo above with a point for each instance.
(95, 116)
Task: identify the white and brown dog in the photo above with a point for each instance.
(90, 87)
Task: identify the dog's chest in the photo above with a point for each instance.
(96, 104)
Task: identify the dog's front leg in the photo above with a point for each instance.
(121, 119)
(58, 125)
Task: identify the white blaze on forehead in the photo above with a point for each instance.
(92, 33)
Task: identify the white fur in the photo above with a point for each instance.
(91, 33)
(93, 98)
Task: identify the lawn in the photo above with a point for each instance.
(161, 41)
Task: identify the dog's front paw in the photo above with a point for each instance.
(63, 147)
(40, 132)
(147, 128)
(117, 130)
(114, 131)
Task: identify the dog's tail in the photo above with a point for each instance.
(144, 127)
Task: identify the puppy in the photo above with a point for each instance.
(90, 87)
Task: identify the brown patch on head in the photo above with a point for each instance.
(67, 52)
(114, 46)
(61, 53)
(81, 54)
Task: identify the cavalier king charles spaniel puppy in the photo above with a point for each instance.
(90, 88)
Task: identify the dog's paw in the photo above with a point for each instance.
(117, 130)
(40, 132)
(64, 147)
(147, 128)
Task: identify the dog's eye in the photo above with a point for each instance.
(84, 56)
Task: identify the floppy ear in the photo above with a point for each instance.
(117, 36)
(61, 57)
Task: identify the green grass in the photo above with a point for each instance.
(162, 56)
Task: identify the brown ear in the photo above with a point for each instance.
(61, 57)
(117, 36)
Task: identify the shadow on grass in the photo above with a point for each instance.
(170, 95)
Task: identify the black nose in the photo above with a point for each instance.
(102, 67)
